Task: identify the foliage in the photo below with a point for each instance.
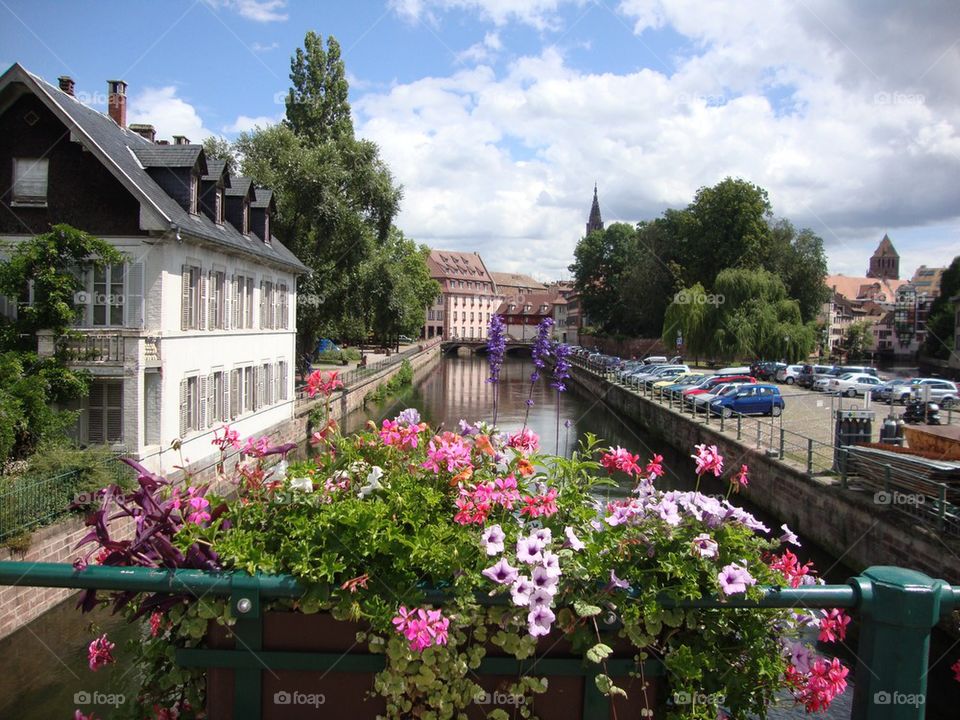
(857, 338)
(375, 521)
(218, 148)
(337, 357)
(941, 321)
(749, 316)
(402, 378)
(599, 262)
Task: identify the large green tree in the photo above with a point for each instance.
(336, 198)
(600, 262)
(941, 321)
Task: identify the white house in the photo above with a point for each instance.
(197, 328)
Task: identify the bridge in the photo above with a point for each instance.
(479, 346)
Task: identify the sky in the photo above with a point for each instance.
(498, 116)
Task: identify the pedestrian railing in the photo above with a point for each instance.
(897, 609)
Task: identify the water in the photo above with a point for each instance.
(44, 665)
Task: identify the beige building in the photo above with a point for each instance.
(926, 281)
(468, 297)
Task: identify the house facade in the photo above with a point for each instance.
(197, 327)
(468, 297)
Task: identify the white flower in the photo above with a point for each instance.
(373, 482)
(303, 484)
(521, 590)
(542, 578)
(551, 563)
(543, 535)
(529, 550)
(492, 540)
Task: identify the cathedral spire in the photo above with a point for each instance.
(595, 222)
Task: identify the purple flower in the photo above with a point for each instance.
(410, 416)
(572, 540)
(568, 424)
(543, 535)
(616, 582)
(530, 402)
(734, 579)
(502, 572)
(704, 546)
(541, 597)
(496, 347)
(492, 540)
(561, 367)
(541, 347)
(551, 563)
(541, 578)
(539, 620)
(529, 550)
(669, 512)
(521, 590)
(466, 428)
(788, 536)
(801, 656)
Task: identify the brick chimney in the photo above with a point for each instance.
(181, 140)
(66, 84)
(117, 101)
(145, 131)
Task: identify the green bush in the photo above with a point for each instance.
(403, 378)
(337, 357)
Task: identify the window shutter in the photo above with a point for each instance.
(225, 389)
(202, 314)
(184, 410)
(258, 398)
(30, 179)
(227, 302)
(202, 402)
(95, 411)
(114, 411)
(212, 415)
(134, 295)
(186, 297)
(268, 382)
(284, 382)
(263, 305)
(235, 380)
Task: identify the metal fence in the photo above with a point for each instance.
(28, 501)
(815, 450)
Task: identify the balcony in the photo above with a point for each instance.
(98, 347)
(101, 347)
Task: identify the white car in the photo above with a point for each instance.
(940, 391)
(789, 374)
(853, 384)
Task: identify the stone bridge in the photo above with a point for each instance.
(479, 347)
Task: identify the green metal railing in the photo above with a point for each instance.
(897, 609)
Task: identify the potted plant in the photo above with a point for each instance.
(439, 552)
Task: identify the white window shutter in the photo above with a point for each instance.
(186, 297)
(184, 410)
(225, 410)
(235, 380)
(212, 416)
(133, 300)
(228, 301)
(263, 305)
(202, 314)
(202, 402)
(284, 381)
(258, 401)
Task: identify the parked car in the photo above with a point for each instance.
(713, 381)
(684, 382)
(788, 374)
(742, 370)
(859, 369)
(655, 360)
(809, 374)
(405, 339)
(719, 391)
(687, 378)
(936, 390)
(664, 373)
(821, 381)
(853, 384)
(896, 390)
(749, 399)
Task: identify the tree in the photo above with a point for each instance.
(649, 279)
(798, 258)
(336, 198)
(600, 260)
(857, 339)
(218, 148)
(940, 340)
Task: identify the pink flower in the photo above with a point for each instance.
(540, 505)
(422, 628)
(619, 459)
(197, 504)
(817, 689)
(526, 441)
(704, 546)
(790, 567)
(492, 540)
(390, 432)
(740, 479)
(77, 715)
(529, 550)
(708, 460)
(522, 589)
(654, 468)
(539, 620)
(448, 452)
(572, 540)
(734, 579)
(833, 626)
(230, 438)
(502, 572)
(156, 622)
(256, 447)
(321, 382)
(100, 653)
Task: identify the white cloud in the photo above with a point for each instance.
(504, 162)
(256, 10)
(483, 51)
(169, 114)
(244, 123)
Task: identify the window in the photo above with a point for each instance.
(283, 307)
(190, 404)
(105, 412)
(266, 372)
(268, 305)
(236, 393)
(30, 181)
(218, 206)
(246, 217)
(194, 193)
(282, 380)
(266, 228)
(216, 398)
(248, 388)
(248, 300)
(218, 298)
(107, 297)
(190, 282)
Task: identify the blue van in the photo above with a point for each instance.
(754, 399)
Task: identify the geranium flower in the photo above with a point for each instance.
(734, 579)
(502, 572)
(619, 459)
(448, 452)
(156, 622)
(522, 588)
(572, 540)
(526, 441)
(654, 468)
(539, 620)
(540, 505)
(708, 460)
(740, 480)
(100, 653)
(492, 540)
(197, 504)
(790, 567)
(482, 443)
(529, 550)
(322, 382)
(230, 438)
(833, 625)
(704, 546)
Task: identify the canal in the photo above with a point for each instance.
(43, 670)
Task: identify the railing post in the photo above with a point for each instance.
(739, 426)
(942, 507)
(248, 634)
(898, 609)
(721, 420)
(782, 434)
(810, 456)
(886, 478)
(844, 457)
(759, 436)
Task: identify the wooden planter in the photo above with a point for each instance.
(318, 670)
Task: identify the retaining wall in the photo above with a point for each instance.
(844, 522)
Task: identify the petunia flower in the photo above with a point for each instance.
(704, 546)
(492, 540)
(529, 550)
(788, 536)
(551, 563)
(539, 620)
(542, 578)
(734, 579)
(541, 597)
(502, 572)
(572, 540)
(521, 590)
(616, 582)
(303, 484)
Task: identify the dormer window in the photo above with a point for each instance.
(266, 228)
(246, 217)
(194, 194)
(218, 206)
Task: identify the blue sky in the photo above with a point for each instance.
(498, 115)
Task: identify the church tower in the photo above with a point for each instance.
(885, 262)
(595, 222)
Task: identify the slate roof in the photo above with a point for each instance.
(170, 155)
(119, 149)
(239, 186)
(264, 197)
(215, 169)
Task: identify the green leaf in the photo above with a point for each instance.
(584, 609)
(606, 686)
(599, 652)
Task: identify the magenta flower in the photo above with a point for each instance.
(740, 479)
(704, 546)
(833, 626)
(708, 460)
(654, 468)
(403, 618)
(197, 505)
(620, 459)
(502, 572)
(526, 442)
(100, 653)
(539, 620)
(734, 579)
(448, 452)
(422, 628)
(572, 540)
(521, 590)
(492, 540)
(529, 550)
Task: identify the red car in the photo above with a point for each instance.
(711, 382)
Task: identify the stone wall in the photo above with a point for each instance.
(844, 522)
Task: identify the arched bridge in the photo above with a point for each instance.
(479, 347)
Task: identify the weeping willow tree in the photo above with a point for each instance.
(748, 316)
